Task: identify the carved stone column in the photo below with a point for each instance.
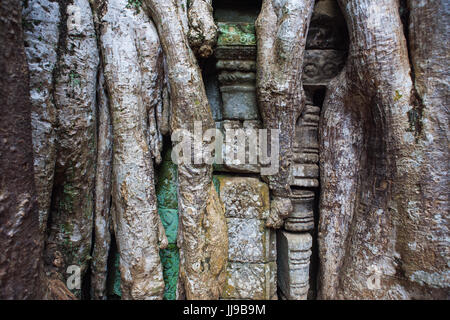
(294, 252)
(236, 54)
(302, 217)
(324, 57)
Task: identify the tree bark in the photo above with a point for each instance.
(70, 233)
(41, 37)
(372, 209)
(197, 280)
(202, 29)
(102, 220)
(20, 239)
(133, 72)
(281, 30)
(424, 244)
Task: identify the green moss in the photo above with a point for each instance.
(166, 193)
(67, 198)
(397, 96)
(166, 188)
(116, 276)
(134, 4)
(170, 260)
(242, 34)
(75, 79)
(169, 219)
(216, 183)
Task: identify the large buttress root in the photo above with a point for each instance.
(131, 55)
(41, 36)
(70, 234)
(198, 277)
(202, 33)
(424, 244)
(102, 217)
(20, 239)
(373, 214)
(281, 30)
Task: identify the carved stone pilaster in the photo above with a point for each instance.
(305, 169)
(301, 218)
(232, 152)
(294, 252)
(236, 54)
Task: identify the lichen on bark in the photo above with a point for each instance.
(71, 217)
(198, 279)
(133, 71)
(378, 228)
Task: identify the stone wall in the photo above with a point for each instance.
(230, 83)
(262, 263)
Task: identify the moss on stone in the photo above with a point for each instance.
(170, 260)
(166, 193)
(241, 33)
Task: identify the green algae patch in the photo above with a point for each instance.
(113, 281)
(170, 260)
(240, 34)
(166, 188)
(169, 219)
(166, 193)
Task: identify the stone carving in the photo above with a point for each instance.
(236, 66)
(231, 91)
(321, 66)
(249, 127)
(327, 29)
(306, 145)
(294, 251)
(302, 217)
(324, 58)
(305, 171)
(241, 33)
(250, 281)
(251, 270)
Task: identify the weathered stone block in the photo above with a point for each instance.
(251, 270)
(305, 175)
(239, 102)
(253, 281)
(236, 54)
(294, 251)
(243, 197)
(250, 241)
(321, 66)
(231, 153)
(213, 95)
